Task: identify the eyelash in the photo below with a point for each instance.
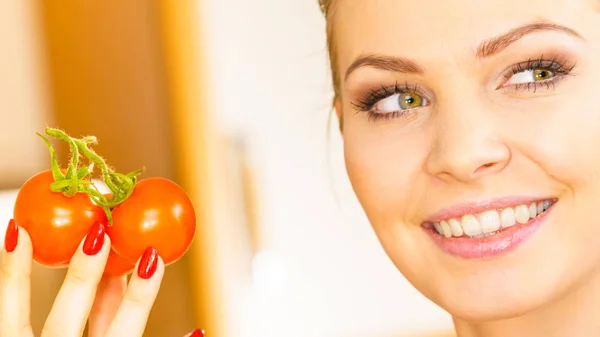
(373, 96)
(554, 65)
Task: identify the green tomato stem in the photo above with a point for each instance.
(74, 181)
(56, 171)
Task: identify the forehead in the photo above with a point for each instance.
(430, 29)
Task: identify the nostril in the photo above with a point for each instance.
(485, 167)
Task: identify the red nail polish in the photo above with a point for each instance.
(94, 240)
(12, 236)
(148, 263)
(197, 333)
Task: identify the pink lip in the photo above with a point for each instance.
(457, 211)
(502, 242)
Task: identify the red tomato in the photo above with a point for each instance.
(159, 214)
(117, 266)
(56, 224)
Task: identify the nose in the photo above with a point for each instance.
(467, 146)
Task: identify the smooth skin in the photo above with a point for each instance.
(114, 309)
(477, 137)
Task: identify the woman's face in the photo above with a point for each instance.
(458, 116)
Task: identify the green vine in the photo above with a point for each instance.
(77, 177)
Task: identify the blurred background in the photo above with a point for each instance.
(231, 99)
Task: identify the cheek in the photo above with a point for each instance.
(565, 142)
(387, 178)
(385, 169)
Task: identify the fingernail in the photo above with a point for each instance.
(148, 263)
(94, 240)
(11, 238)
(197, 333)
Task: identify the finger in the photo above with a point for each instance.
(132, 316)
(108, 299)
(15, 282)
(73, 303)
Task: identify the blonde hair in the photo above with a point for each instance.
(325, 4)
(328, 11)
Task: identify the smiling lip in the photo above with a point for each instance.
(503, 241)
(458, 211)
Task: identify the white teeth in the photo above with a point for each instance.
(508, 217)
(471, 225)
(522, 214)
(532, 210)
(481, 236)
(438, 228)
(446, 229)
(455, 227)
(547, 204)
(490, 221)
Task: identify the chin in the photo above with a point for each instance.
(489, 305)
(506, 289)
(499, 288)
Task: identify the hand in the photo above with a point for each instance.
(113, 308)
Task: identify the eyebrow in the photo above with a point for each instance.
(486, 49)
(501, 42)
(384, 62)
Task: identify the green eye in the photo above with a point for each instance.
(400, 102)
(542, 74)
(410, 101)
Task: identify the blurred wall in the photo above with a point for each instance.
(22, 95)
(106, 78)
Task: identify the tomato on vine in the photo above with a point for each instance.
(58, 207)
